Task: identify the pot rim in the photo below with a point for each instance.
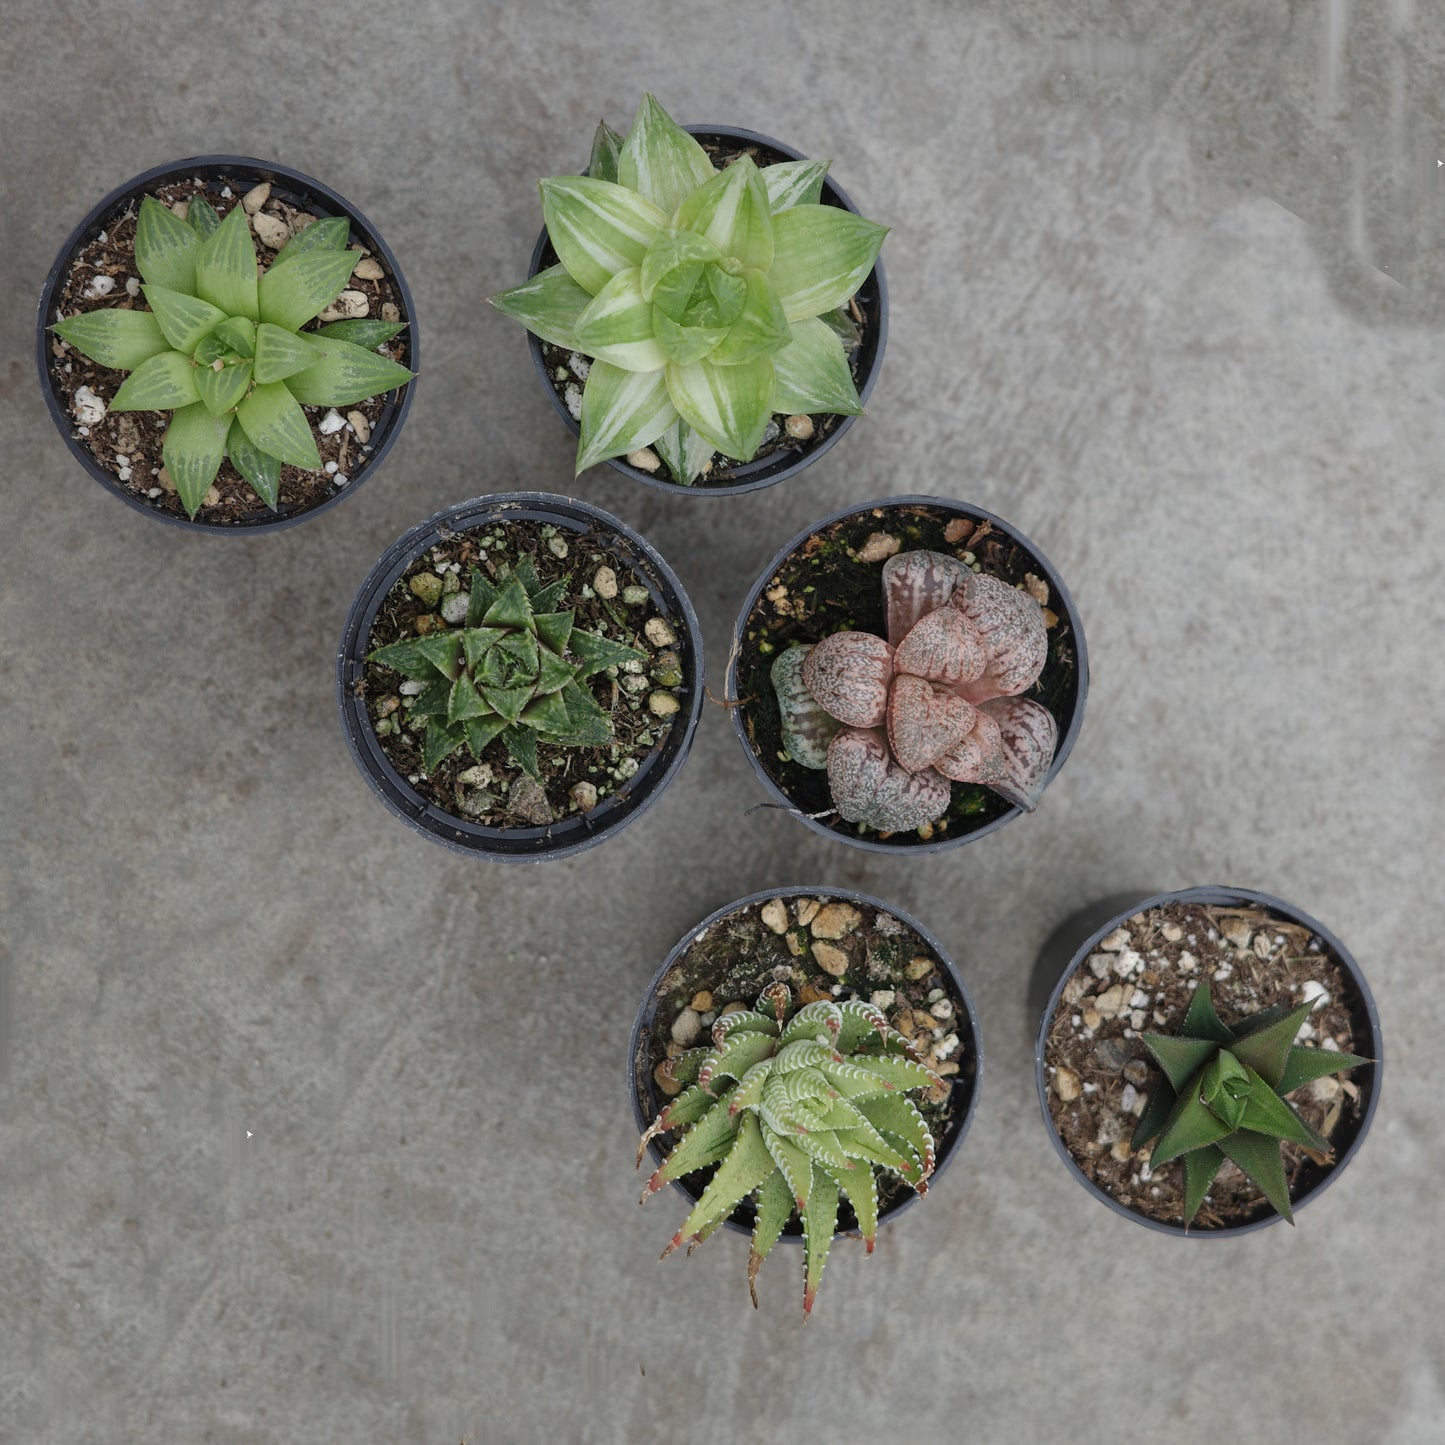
(747, 484)
(448, 829)
(947, 1147)
(1066, 607)
(1214, 893)
(264, 170)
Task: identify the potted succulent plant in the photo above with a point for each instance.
(520, 676)
(202, 392)
(908, 674)
(1209, 1061)
(817, 1047)
(704, 303)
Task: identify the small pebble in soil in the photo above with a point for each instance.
(1131, 1101)
(358, 423)
(1111, 1002)
(412, 689)
(477, 776)
(665, 1082)
(1116, 942)
(1092, 1019)
(330, 469)
(644, 459)
(879, 547)
(830, 958)
(662, 704)
(333, 421)
(799, 427)
(527, 799)
(367, 270)
(584, 796)
(775, 915)
(454, 608)
(1172, 932)
(271, 232)
(1036, 587)
(572, 396)
(634, 595)
(958, 530)
(89, 409)
(941, 1009)
(98, 286)
(835, 920)
(918, 967)
(702, 1001)
(658, 633)
(256, 197)
(426, 587)
(604, 583)
(667, 669)
(132, 286)
(1313, 993)
(1136, 1071)
(557, 546)
(1100, 965)
(882, 998)
(1066, 1084)
(686, 1027)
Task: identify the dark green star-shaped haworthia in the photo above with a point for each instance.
(516, 671)
(817, 1103)
(223, 350)
(1223, 1097)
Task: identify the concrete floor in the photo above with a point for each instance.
(311, 1131)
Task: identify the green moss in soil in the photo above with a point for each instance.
(1251, 960)
(824, 588)
(740, 954)
(496, 548)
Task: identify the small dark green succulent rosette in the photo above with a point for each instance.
(822, 361)
(515, 671)
(230, 359)
(808, 1113)
(1222, 1082)
(878, 576)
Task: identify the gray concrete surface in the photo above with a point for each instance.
(310, 1131)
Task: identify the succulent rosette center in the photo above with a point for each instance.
(895, 720)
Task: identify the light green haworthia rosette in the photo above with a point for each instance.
(1223, 1098)
(707, 300)
(816, 1103)
(222, 348)
(515, 670)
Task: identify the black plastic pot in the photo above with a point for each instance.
(569, 835)
(296, 190)
(1068, 709)
(765, 471)
(644, 1052)
(1364, 1020)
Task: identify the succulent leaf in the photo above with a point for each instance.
(859, 1021)
(165, 382)
(226, 267)
(1266, 1050)
(237, 334)
(775, 1208)
(760, 329)
(115, 338)
(183, 319)
(820, 1219)
(942, 646)
(293, 291)
(330, 233)
(548, 305)
(201, 216)
(747, 1164)
(794, 183)
(616, 326)
(814, 1022)
(343, 373)
(848, 675)
(606, 151)
(222, 387)
(1028, 737)
(274, 421)
(193, 449)
(805, 725)
(1305, 1065)
(924, 722)
(1180, 1058)
(731, 209)
(659, 159)
(1200, 1167)
(598, 228)
(362, 331)
(1011, 626)
(822, 255)
(260, 469)
(280, 353)
(621, 411)
(915, 584)
(728, 405)
(811, 372)
(1260, 1158)
(683, 452)
(165, 248)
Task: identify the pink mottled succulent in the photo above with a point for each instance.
(895, 721)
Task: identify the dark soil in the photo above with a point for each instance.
(824, 587)
(566, 370)
(738, 956)
(138, 436)
(1103, 1055)
(496, 548)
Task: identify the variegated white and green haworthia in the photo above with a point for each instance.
(707, 300)
(815, 1104)
(222, 348)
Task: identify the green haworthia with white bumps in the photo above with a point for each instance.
(222, 348)
(817, 1102)
(707, 299)
(1223, 1098)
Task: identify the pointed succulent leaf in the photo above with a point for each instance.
(553, 674)
(848, 675)
(895, 1158)
(115, 338)
(421, 658)
(812, 373)
(596, 652)
(860, 1188)
(860, 1020)
(661, 160)
(1156, 1114)
(795, 1165)
(774, 1209)
(794, 183)
(616, 326)
(822, 255)
(676, 260)
(743, 1021)
(362, 331)
(1259, 1157)
(924, 722)
(820, 1219)
(606, 148)
(1305, 1065)
(803, 1053)
(942, 646)
(706, 1142)
(683, 1069)
(330, 233)
(433, 700)
(1266, 1050)
(1028, 737)
(221, 389)
(746, 1166)
(553, 628)
(465, 701)
(1266, 1113)
(760, 329)
(854, 1083)
(280, 353)
(1011, 626)
(598, 229)
(164, 383)
(915, 584)
(275, 422)
(442, 740)
(728, 405)
(813, 1021)
(261, 470)
(1180, 1058)
(481, 730)
(478, 641)
(184, 319)
(342, 373)
(749, 1092)
(1201, 1021)
(194, 447)
(621, 411)
(226, 267)
(507, 702)
(682, 344)
(684, 453)
(589, 724)
(236, 334)
(482, 594)
(806, 727)
(1200, 1167)
(512, 607)
(293, 291)
(1223, 1088)
(739, 1051)
(823, 1146)
(898, 1116)
(548, 305)
(1191, 1125)
(521, 745)
(731, 210)
(165, 247)
(901, 1073)
(201, 216)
